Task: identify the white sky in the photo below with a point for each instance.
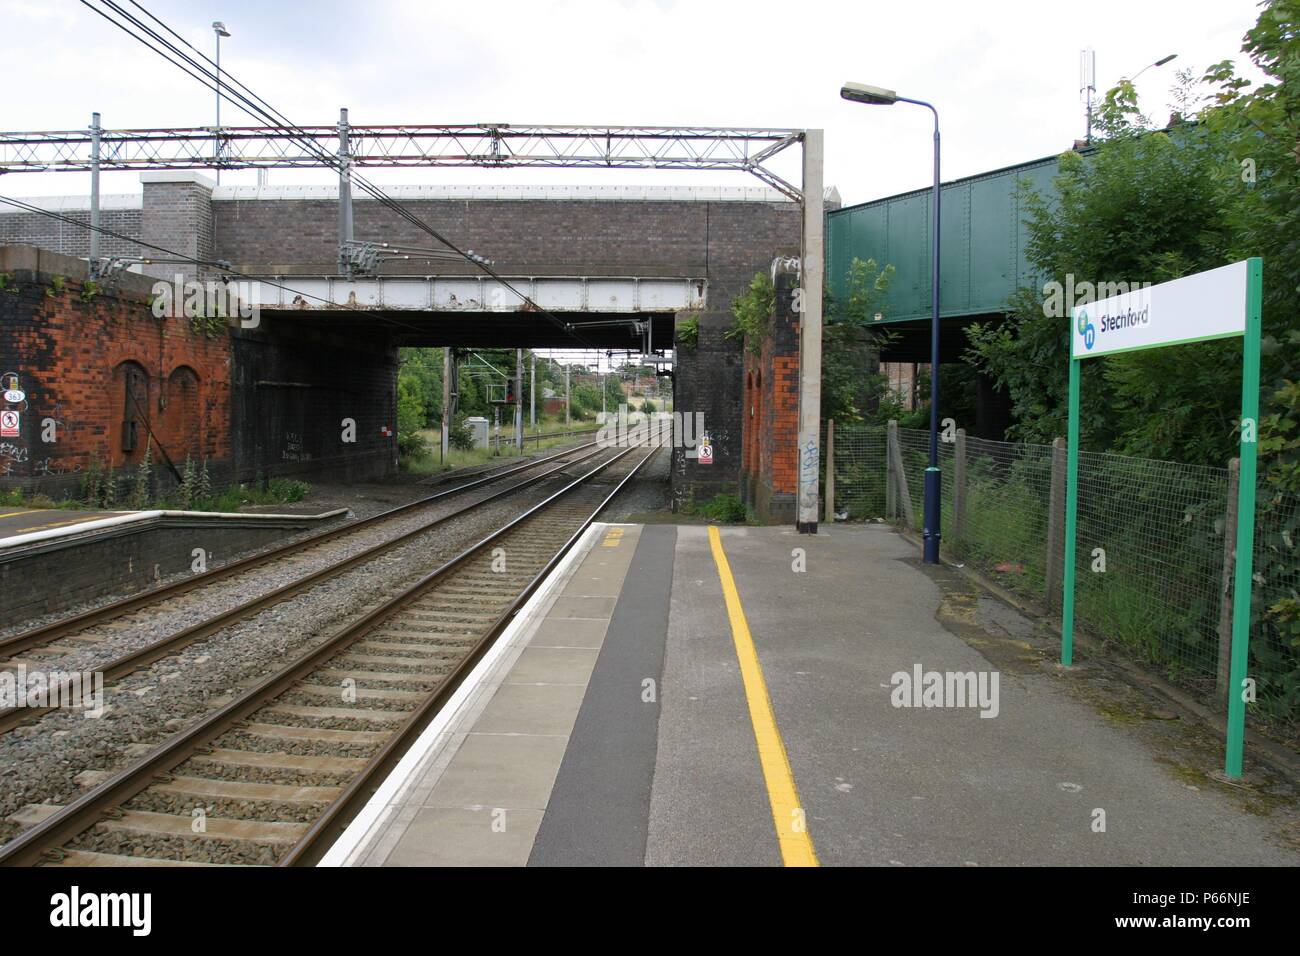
(1003, 73)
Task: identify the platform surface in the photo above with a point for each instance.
(17, 520)
(616, 728)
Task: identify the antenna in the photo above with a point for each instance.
(1088, 84)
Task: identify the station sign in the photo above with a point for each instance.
(1208, 305)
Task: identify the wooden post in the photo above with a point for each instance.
(1222, 678)
(1055, 526)
(958, 533)
(900, 475)
(830, 471)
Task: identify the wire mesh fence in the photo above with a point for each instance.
(1154, 547)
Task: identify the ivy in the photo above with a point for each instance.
(688, 334)
(752, 311)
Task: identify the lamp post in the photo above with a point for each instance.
(1161, 62)
(220, 30)
(877, 96)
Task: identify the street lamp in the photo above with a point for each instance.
(220, 30)
(1160, 62)
(879, 96)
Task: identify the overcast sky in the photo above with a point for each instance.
(1003, 73)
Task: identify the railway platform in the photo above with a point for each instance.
(687, 695)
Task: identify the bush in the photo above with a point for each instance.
(725, 509)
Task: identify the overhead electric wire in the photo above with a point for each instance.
(223, 83)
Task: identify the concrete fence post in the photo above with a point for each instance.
(900, 474)
(1052, 581)
(1222, 679)
(830, 471)
(891, 493)
(958, 533)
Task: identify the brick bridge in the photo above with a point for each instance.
(268, 401)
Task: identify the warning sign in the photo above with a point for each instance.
(8, 424)
(705, 454)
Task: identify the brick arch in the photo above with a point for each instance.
(180, 425)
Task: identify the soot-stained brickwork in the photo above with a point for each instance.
(291, 385)
(102, 379)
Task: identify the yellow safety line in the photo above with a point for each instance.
(52, 524)
(787, 813)
(10, 514)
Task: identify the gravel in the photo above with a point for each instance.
(39, 762)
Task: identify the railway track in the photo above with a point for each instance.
(49, 647)
(274, 776)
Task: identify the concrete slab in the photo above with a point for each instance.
(885, 785)
(476, 793)
(560, 741)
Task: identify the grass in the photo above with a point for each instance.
(17, 498)
(278, 491)
(429, 463)
(724, 509)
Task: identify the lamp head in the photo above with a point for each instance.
(219, 29)
(871, 95)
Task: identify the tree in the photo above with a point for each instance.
(1146, 206)
(852, 383)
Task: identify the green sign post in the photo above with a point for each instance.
(1220, 303)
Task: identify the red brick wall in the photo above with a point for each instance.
(771, 413)
(69, 355)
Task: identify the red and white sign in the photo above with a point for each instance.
(705, 454)
(386, 431)
(8, 424)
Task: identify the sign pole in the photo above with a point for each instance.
(1244, 564)
(1071, 516)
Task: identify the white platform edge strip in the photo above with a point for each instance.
(134, 517)
(359, 833)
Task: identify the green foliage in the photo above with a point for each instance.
(648, 407)
(725, 509)
(688, 333)
(752, 311)
(189, 485)
(852, 384)
(92, 483)
(410, 418)
(142, 487)
(89, 289)
(277, 491)
(56, 287)
(459, 435)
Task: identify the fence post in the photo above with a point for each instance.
(959, 491)
(1055, 525)
(900, 474)
(891, 493)
(830, 471)
(1222, 679)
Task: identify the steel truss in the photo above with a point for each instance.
(490, 145)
